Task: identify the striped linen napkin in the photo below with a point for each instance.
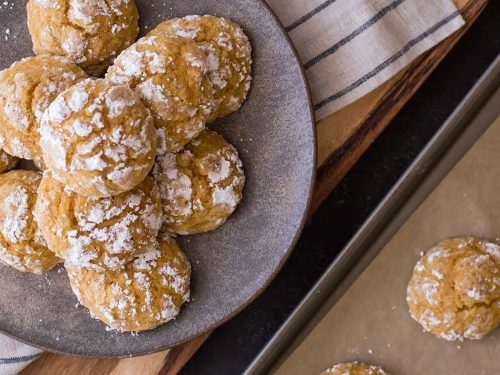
(351, 47)
(15, 356)
(348, 48)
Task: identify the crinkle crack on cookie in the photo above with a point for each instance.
(22, 244)
(146, 294)
(98, 139)
(229, 52)
(201, 186)
(171, 77)
(99, 233)
(26, 89)
(7, 162)
(454, 292)
(89, 32)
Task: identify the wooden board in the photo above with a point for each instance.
(342, 138)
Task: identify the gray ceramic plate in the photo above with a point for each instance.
(274, 133)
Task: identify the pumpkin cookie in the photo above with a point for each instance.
(454, 292)
(98, 232)
(354, 368)
(170, 76)
(147, 293)
(98, 139)
(229, 52)
(22, 245)
(201, 186)
(7, 162)
(90, 32)
(26, 89)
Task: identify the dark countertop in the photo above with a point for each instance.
(232, 347)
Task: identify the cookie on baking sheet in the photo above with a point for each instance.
(98, 232)
(354, 368)
(27, 88)
(90, 32)
(171, 77)
(98, 139)
(22, 245)
(454, 292)
(200, 186)
(147, 293)
(7, 162)
(229, 52)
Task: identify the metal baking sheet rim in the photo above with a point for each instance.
(463, 128)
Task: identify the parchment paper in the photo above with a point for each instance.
(371, 322)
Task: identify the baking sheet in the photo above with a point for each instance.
(371, 322)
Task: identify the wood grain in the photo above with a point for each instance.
(67, 365)
(359, 124)
(343, 137)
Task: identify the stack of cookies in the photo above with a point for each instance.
(126, 161)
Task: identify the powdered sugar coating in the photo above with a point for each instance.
(229, 57)
(170, 76)
(100, 233)
(26, 89)
(355, 368)
(98, 139)
(455, 289)
(148, 292)
(21, 244)
(89, 32)
(201, 186)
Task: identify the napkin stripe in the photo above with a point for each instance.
(309, 15)
(388, 62)
(372, 21)
(15, 360)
